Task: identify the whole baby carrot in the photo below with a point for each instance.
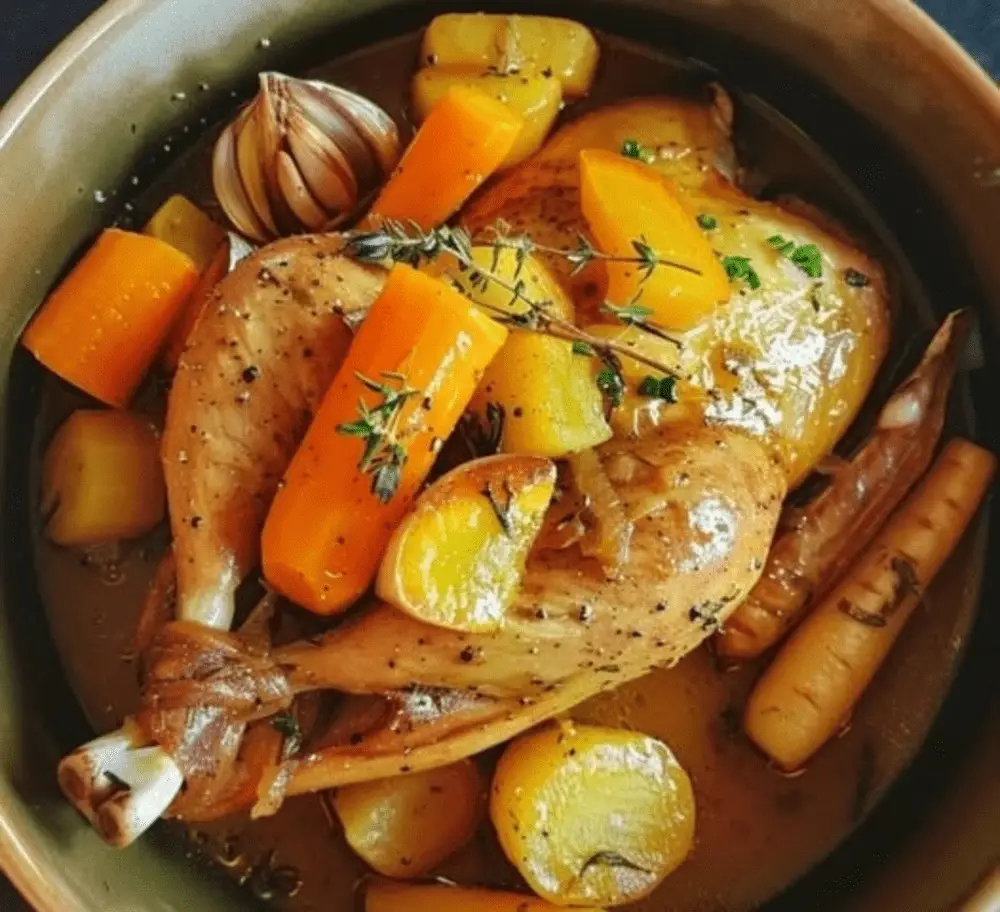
(821, 672)
(409, 374)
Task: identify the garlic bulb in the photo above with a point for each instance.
(303, 155)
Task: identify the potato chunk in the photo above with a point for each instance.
(408, 825)
(550, 399)
(457, 559)
(102, 479)
(182, 225)
(527, 45)
(390, 897)
(538, 283)
(536, 98)
(592, 815)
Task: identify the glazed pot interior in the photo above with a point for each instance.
(854, 82)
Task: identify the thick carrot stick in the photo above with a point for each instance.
(808, 558)
(103, 327)
(464, 139)
(216, 271)
(821, 672)
(424, 346)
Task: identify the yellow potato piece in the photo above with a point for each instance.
(182, 225)
(549, 396)
(536, 98)
(457, 559)
(592, 815)
(538, 283)
(102, 479)
(528, 45)
(389, 897)
(408, 825)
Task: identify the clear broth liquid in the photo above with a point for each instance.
(757, 830)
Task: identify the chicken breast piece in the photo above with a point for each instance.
(256, 366)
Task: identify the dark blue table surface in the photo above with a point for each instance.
(30, 28)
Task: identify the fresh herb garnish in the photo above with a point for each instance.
(582, 348)
(779, 243)
(610, 381)
(739, 267)
(383, 456)
(659, 388)
(611, 860)
(806, 256)
(408, 243)
(809, 260)
(629, 314)
(855, 278)
(632, 148)
(501, 509)
(288, 727)
(707, 222)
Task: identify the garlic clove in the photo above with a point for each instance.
(297, 195)
(322, 165)
(251, 167)
(318, 108)
(376, 127)
(229, 188)
(300, 150)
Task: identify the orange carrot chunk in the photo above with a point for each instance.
(624, 202)
(464, 139)
(102, 328)
(216, 271)
(409, 374)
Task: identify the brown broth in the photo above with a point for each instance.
(757, 830)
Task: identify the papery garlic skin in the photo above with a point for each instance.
(304, 155)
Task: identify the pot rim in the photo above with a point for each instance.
(38, 882)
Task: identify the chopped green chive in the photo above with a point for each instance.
(632, 148)
(807, 256)
(582, 348)
(738, 267)
(659, 388)
(707, 222)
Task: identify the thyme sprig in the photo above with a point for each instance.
(397, 242)
(384, 455)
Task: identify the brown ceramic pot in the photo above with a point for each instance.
(897, 103)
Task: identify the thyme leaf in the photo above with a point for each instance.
(399, 242)
(383, 456)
